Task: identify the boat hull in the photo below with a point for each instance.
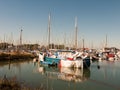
(50, 61)
(79, 63)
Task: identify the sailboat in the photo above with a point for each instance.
(64, 58)
(76, 59)
(48, 58)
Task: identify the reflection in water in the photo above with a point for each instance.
(9, 65)
(12, 68)
(101, 75)
(66, 74)
(106, 74)
(98, 66)
(74, 75)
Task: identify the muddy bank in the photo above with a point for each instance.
(16, 56)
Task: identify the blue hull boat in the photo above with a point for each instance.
(55, 61)
(50, 61)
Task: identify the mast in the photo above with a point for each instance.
(49, 22)
(11, 38)
(76, 31)
(106, 41)
(4, 42)
(65, 41)
(21, 37)
(83, 44)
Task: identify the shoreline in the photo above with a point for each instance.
(16, 56)
(12, 83)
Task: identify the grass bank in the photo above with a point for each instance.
(13, 84)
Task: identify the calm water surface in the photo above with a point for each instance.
(100, 76)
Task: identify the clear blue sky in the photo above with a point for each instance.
(96, 18)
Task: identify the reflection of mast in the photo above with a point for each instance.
(9, 65)
(49, 31)
(76, 30)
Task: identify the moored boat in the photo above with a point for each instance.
(71, 59)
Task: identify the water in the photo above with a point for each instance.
(100, 76)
